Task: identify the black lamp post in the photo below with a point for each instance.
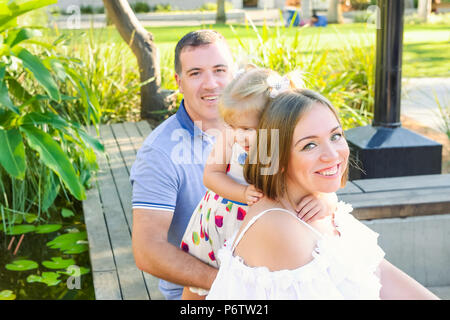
(385, 149)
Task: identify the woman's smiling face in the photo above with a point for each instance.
(319, 152)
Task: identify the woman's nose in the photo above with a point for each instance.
(329, 153)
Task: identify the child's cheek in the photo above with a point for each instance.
(251, 138)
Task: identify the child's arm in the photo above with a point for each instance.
(215, 175)
(317, 206)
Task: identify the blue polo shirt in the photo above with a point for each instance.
(168, 175)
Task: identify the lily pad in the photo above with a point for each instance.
(66, 213)
(20, 229)
(58, 263)
(75, 271)
(68, 243)
(7, 295)
(47, 228)
(21, 265)
(49, 278)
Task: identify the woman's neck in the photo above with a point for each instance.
(292, 197)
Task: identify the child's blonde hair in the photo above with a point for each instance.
(248, 92)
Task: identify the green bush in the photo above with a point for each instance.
(162, 8)
(140, 7)
(45, 152)
(345, 76)
(212, 6)
(362, 4)
(87, 9)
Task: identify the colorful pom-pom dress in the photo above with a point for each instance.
(216, 218)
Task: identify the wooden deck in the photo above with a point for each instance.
(108, 214)
(108, 218)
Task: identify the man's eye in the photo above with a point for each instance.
(194, 74)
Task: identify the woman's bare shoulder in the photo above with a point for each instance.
(278, 241)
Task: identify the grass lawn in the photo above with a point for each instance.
(426, 50)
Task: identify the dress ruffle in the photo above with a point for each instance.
(343, 267)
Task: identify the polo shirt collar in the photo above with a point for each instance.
(186, 122)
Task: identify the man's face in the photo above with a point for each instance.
(205, 71)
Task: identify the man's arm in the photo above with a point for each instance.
(155, 255)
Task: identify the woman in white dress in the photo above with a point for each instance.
(275, 255)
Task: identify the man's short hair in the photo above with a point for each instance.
(195, 39)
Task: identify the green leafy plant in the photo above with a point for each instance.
(344, 75)
(7, 295)
(20, 229)
(58, 263)
(44, 150)
(21, 265)
(49, 278)
(47, 228)
(70, 243)
(443, 113)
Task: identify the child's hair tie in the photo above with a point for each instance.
(278, 84)
(238, 73)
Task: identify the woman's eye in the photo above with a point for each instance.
(309, 146)
(336, 137)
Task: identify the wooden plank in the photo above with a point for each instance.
(350, 187)
(399, 197)
(100, 250)
(124, 145)
(144, 128)
(399, 203)
(137, 140)
(106, 285)
(404, 183)
(130, 277)
(134, 134)
(443, 292)
(152, 285)
(119, 172)
(121, 143)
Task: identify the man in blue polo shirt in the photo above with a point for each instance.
(167, 175)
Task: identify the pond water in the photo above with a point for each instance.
(47, 280)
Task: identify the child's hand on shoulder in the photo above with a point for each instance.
(252, 195)
(314, 207)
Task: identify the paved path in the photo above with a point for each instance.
(420, 98)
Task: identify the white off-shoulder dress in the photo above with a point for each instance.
(343, 266)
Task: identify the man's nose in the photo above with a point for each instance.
(209, 80)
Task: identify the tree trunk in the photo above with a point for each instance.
(220, 15)
(141, 43)
(334, 14)
(424, 9)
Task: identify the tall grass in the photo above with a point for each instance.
(443, 114)
(344, 75)
(112, 74)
